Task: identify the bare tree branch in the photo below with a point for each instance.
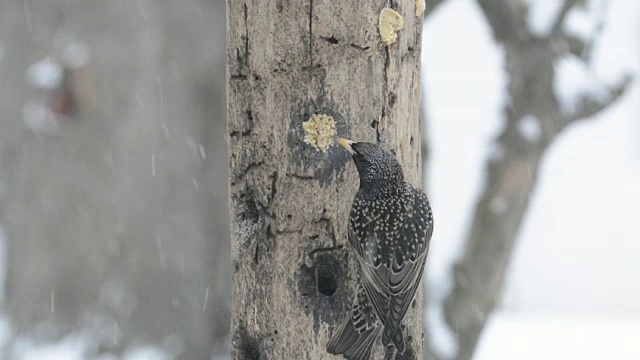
(591, 105)
(505, 19)
(556, 29)
(479, 274)
(431, 6)
(576, 46)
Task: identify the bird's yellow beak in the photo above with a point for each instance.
(346, 143)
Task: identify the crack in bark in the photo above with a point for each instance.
(331, 231)
(302, 177)
(385, 91)
(269, 236)
(243, 61)
(238, 77)
(256, 254)
(358, 47)
(331, 39)
(274, 191)
(246, 35)
(411, 52)
(248, 168)
(237, 133)
(310, 33)
(281, 232)
(313, 252)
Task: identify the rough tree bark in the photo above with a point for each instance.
(512, 172)
(292, 276)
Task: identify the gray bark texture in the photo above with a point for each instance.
(512, 173)
(117, 227)
(293, 276)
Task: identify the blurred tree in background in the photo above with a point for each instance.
(534, 117)
(117, 225)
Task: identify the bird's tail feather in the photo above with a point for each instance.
(351, 343)
(394, 336)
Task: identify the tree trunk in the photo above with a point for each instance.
(293, 278)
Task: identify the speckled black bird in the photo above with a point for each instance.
(390, 227)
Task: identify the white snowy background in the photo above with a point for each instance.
(572, 290)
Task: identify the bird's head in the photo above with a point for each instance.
(376, 166)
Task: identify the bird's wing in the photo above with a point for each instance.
(357, 334)
(405, 279)
(374, 282)
(392, 285)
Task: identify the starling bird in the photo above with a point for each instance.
(390, 226)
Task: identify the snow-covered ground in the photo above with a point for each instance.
(571, 291)
(560, 336)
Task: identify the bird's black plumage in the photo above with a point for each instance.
(390, 226)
